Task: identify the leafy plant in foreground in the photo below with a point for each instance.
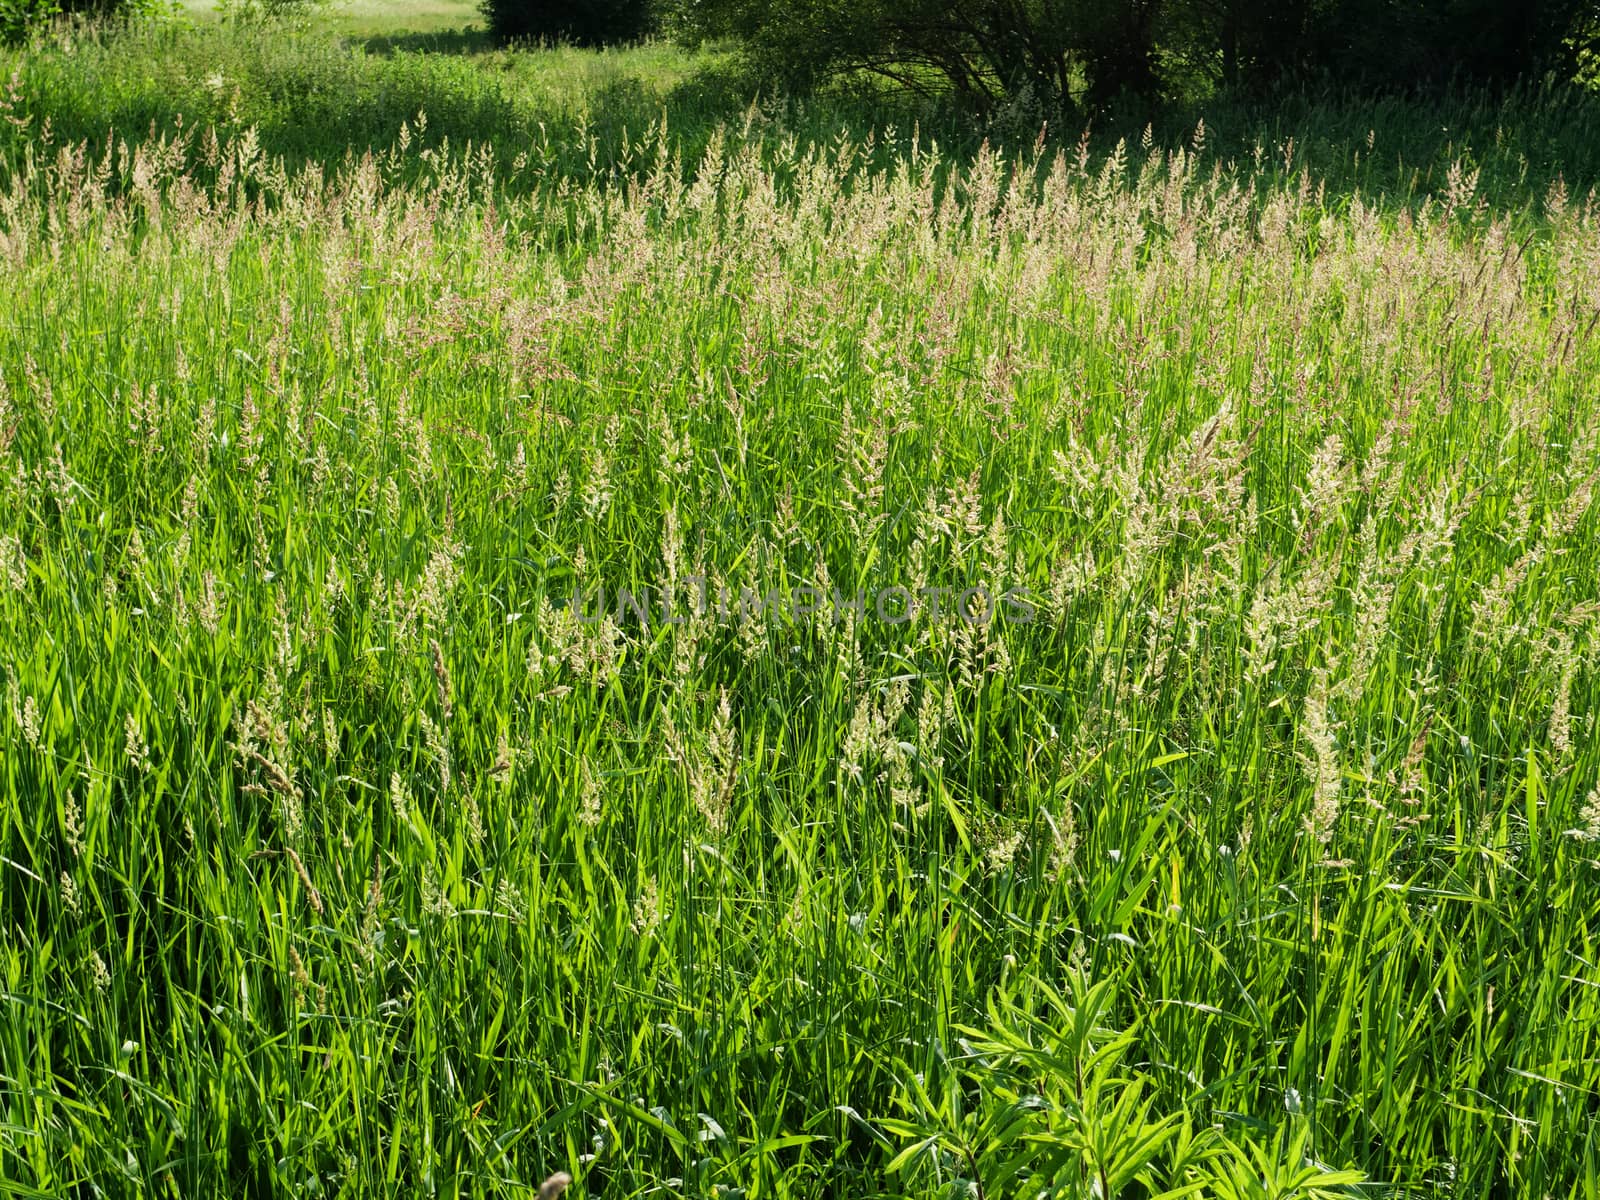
(1048, 1104)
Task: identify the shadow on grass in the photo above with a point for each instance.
(467, 40)
(322, 98)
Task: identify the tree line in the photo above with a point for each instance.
(1084, 53)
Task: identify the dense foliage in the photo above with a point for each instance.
(20, 18)
(1085, 52)
(581, 22)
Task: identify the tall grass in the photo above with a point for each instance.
(337, 857)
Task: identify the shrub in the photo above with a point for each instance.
(20, 17)
(267, 10)
(1083, 54)
(582, 22)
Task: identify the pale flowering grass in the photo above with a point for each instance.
(388, 873)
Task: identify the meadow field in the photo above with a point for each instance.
(558, 618)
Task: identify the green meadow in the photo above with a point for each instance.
(1104, 702)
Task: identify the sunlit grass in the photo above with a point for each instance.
(368, 17)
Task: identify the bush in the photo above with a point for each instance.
(581, 22)
(19, 18)
(267, 10)
(1083, 54)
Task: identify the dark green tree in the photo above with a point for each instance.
(19, 17)
(581, 22)
(1082, 53)
(1071, 51)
